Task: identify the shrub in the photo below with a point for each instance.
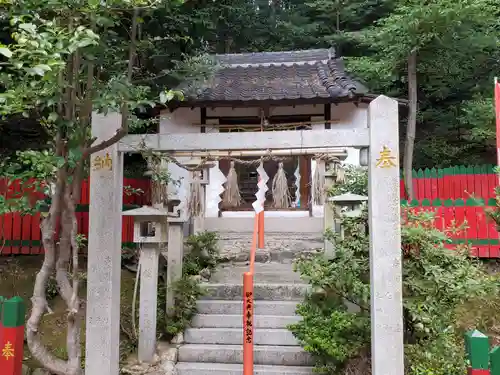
(443, 355)
(187, 291)
(203, 253)
(436, 281)
(356, 181)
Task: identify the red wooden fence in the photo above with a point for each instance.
(479, 231)
(20, 234)
(447, 191)
(453, 183)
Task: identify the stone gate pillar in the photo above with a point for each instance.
(104, 251)
(385, 238)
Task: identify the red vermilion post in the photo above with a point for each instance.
(248, 302)
(248, 323)
(12, 338)
(261, 229)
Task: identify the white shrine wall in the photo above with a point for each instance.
(188, 120)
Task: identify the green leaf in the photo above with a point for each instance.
(43, 67)
(86, 42)
(74, 156)
(60, 162)
(53, 117)
(163, 97)
(29, 27)
(39, 70)
(5, 52)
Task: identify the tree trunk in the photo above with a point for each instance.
(412, 124)
(57, 258)
(39, 299)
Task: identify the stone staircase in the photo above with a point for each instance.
(213, 346)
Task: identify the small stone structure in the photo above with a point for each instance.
(150, 233)
(347, 204)
(156, 231)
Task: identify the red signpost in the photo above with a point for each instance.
(248, 303)
(12, 336)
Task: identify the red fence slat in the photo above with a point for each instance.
(36, 234)
(482, 232)
(16, 220)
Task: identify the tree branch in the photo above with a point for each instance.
(122, 132)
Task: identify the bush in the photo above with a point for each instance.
(443, 355)
(436, 282)
(187, 291)
(356, 181)
(203, 253)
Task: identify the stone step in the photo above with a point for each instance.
(234, 336)
(263, 354)
(268, 291)
(264, 273)
(224, 307)
(236, 320)
(184, 368)
(272, 254)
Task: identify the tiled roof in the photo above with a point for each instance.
(306, 74)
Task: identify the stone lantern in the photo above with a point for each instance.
(151, 234)
(150, 225)
(348, 202)
(344, 205)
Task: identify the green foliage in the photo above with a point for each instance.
(34, 172)
(457, 44)
(436, 282)
(329, 331)
(441, 356)
(202, 253)
(51, 291)
(129, 191)
(356, 182)
(187, 291)
(444, 34)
